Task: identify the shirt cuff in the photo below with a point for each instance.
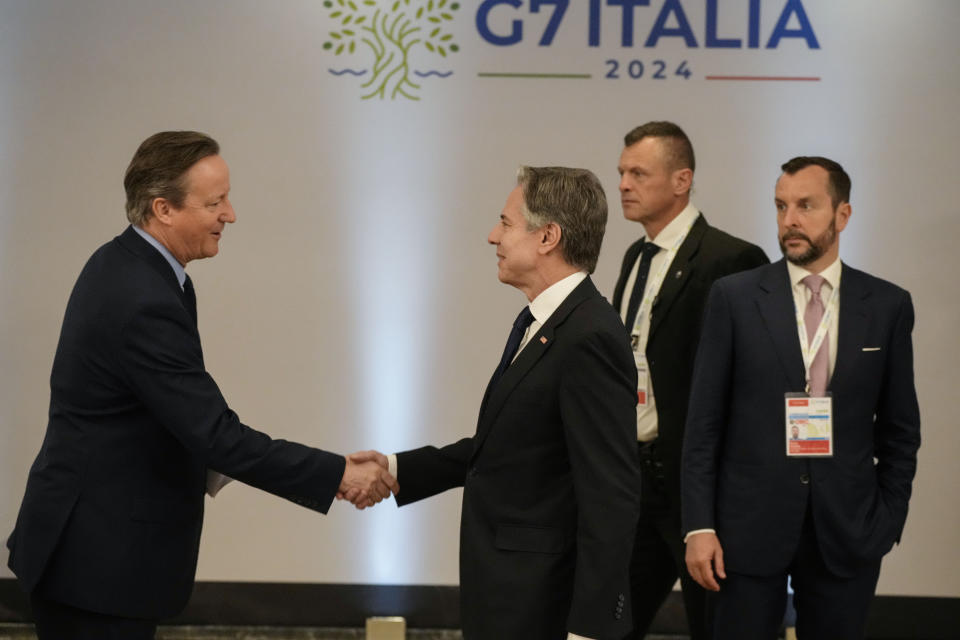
(573, 636)
(392, 464)
(695, 532)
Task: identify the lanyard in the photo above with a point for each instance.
(652, 287)
(809, 351)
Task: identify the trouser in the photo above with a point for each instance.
(659, 555)
(58, 621)
(828, 607)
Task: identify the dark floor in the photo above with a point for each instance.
(25, 632)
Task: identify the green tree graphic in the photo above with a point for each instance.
(391, 34)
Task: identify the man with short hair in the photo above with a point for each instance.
(550, 477)
(107, 537)
(812, 342)
(660, 294)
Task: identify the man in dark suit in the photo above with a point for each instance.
(550, 479)
(108, 532)
(813, 342)
(677, 260)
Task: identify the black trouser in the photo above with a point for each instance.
(57, 621)
(828, 607)
(659, 555)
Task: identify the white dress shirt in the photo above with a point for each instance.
(666, 239)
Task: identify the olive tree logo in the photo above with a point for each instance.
(391, 34)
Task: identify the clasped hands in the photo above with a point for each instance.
(366, 480)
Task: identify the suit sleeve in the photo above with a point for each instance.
(161, 357)
(428, 471)
(706, 415)
(598, 410)
(898, 420)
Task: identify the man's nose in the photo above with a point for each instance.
(229, 215)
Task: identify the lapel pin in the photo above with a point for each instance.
(678, 274)
(543, 339)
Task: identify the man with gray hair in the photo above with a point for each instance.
(551, 475)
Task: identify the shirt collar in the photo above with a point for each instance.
(550, 298)
(672, 232)
(178, 269)
(831, 274)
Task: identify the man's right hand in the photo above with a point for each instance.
(704, 556)
(365, 483)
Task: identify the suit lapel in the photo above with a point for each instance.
(775, 303)
(677, 275)
(539, 343)
(852, 323)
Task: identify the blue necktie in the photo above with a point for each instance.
(513, 342)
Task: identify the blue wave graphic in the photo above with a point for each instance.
(433, 73)
(350, 71)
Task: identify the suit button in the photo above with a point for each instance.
(804, 478)
(617, 616)
(620, 598)
(473, 472)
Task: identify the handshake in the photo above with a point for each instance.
(366, 479)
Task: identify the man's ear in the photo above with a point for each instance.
(682, 181)
(843, 215)
(550, 234)
(162, 211)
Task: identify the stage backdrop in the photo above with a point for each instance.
(372, 144)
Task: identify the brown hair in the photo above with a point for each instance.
(159, 167)
(677, 144)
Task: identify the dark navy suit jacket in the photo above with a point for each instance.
(113, 509)
(551, 483)
(736, 476)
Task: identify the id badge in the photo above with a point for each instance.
(809, 425)
(643, 380)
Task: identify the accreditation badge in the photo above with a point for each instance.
(643, 379)
(809, 425)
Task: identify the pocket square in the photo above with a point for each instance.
(871, 349)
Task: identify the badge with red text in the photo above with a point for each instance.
(809, 424)
(643, 380)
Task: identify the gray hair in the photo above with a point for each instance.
(573, 199)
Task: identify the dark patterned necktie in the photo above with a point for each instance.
(513, 342)
(646, 256)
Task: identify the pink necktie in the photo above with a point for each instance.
(819, 369)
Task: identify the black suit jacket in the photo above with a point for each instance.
(550, 484)
(111, 518)
(706, 254)
(736, 476)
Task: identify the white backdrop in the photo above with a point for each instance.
(355, 302)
